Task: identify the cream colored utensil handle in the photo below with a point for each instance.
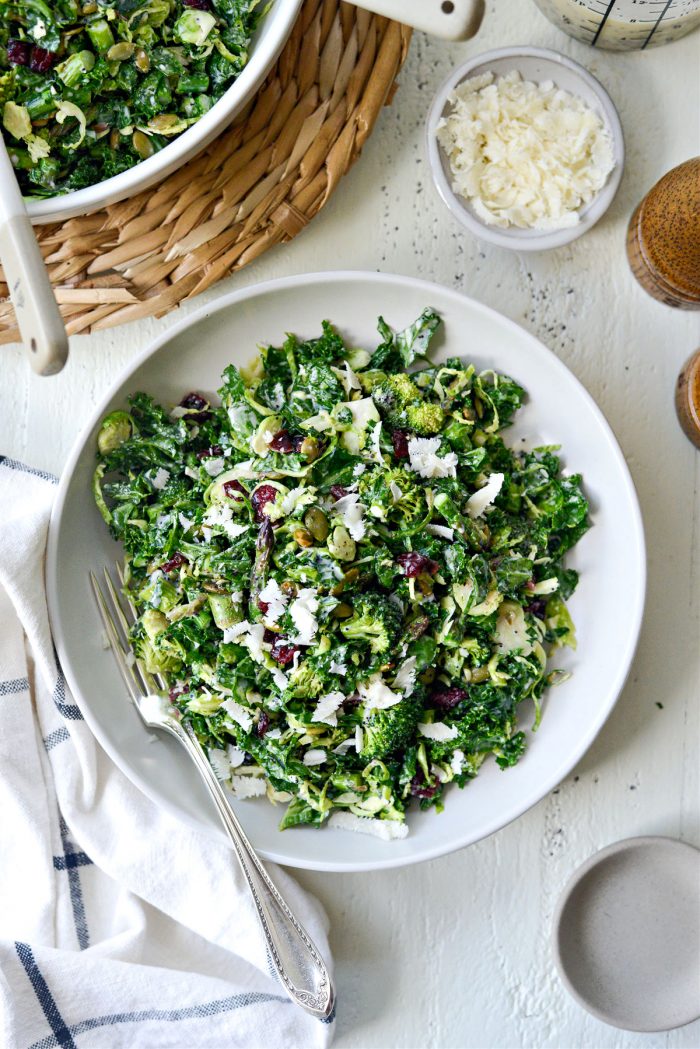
(38, 318)
(451, 19)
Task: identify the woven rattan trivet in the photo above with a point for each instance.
(257, 185)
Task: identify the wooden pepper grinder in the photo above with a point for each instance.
(688, 399)
(663, 239)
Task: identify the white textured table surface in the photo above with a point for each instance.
(456, 952)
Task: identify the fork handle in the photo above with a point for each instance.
(294, 955)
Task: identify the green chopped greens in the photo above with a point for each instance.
(89, 89)
(350, 580)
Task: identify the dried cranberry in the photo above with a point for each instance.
(176, 691)
(399, 439)
(175, 561)
(448, 698)
(338, 492)
(193, 400)
(261, 497)
(297, 441)
(200, 5)
(209, 453)
(537, 608)
(40, 60)
(18, 52)
(283, 653)
(282, 442)
(421, 789)
(414, 564)
(233, 489)
(263, 724)
(264, 606)
(269, 636)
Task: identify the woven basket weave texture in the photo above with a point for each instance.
(257, 185)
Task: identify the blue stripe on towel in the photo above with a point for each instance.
(61, 1035)
(59, 735)
(69, 710)
(13, 464)
(15, 686)
(190, 1012)
(70, 862)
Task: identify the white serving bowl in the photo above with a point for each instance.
(610, 558)
(535, 64)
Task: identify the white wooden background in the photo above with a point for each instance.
(455, 952)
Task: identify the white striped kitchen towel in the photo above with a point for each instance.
(119, 926)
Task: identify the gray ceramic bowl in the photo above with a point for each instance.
(626, 934)
(535, 64)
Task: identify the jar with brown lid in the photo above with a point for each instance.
(663, 239)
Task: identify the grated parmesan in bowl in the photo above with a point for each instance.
(524, 154)
(526, 148)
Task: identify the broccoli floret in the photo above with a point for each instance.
(391, 730)
(375, 620)
(394, 394)
(426, 419)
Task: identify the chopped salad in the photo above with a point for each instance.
(89, 88)
(349, 580)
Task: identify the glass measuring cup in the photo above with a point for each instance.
(623, 25)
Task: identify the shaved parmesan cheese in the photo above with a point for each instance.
(481, 500)
(222, 517)
(396, 492)
(524, 154)
(238, 713)
(315, 757)
(439, 732)
(276, 600)
(388, 830)
(280, 678)
(351, 510)
(194, 474)
(457, 763)
(185, 523)
(235, 631)
(359, 738)
(326, 708)
(248, 787)
(289, 501)
(218, 759)
(337, 667)
(358, 469)
(405, 678)
(345, 746)
(441, 531)
(253, 641)
(303, 612)
(377, 695)
(235, 755)
(160, 479)
(424, 460)
(214, 466)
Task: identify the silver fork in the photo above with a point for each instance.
(294, 955)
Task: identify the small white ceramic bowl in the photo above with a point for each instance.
(535, 64)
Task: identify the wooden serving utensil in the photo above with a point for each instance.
(38, 317)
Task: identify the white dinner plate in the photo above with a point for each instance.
(607, 606)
